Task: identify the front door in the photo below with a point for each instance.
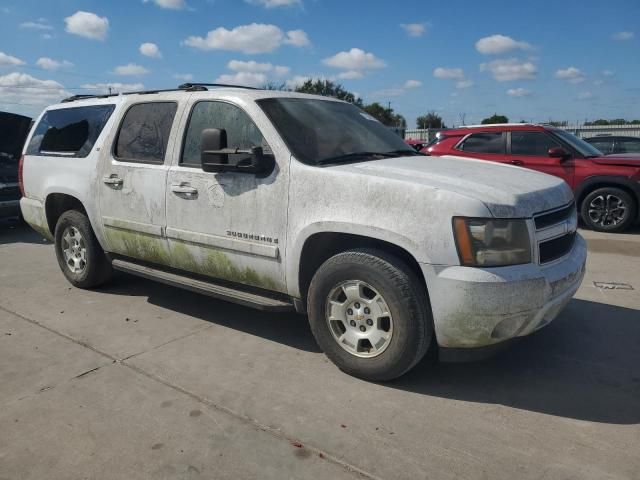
(530, 149)
(229, 226)
(133, 179)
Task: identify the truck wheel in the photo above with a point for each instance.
(79, 254)
(370, 314)
(608, 209)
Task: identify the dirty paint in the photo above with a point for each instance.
(138, 245)
(36, 219)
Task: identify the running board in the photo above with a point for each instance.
(240, 297)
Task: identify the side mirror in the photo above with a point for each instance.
(212, 142)
(214, 155)
(559, 152)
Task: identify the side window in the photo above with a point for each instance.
(483, 143)
(144, 133)
(531, 143)
(605, 146)
(628, 146)
(242, 133)
(69, 132)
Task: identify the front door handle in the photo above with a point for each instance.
(517, 162)
(184, 189)
(113, 180)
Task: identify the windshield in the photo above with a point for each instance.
(323, 131)
(585, 149)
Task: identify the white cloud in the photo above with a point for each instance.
(623, 36)
(296, 81)
(253, 38)
(9, 60)
(354, 60)
(275, 3)
(30, 91)
(115, 87)
(510, 69)
(88, 25)
(149, 49)
(281, 70)
(130, 69)
(412, 84)
(464, 84)
(350, 75)
(256, 67)
(445, 73)
(414, 29)
(608, 73)
(40, 24)
(169, 4)
(585, 95)
(51, 64)
(297, 38)
(518, 92)
(249, 79)
(497, 44)
(570, 74)
(187, 77)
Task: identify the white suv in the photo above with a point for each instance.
(284, 201)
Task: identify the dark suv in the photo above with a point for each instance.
(13, 132)
(613, 144)
(607, 189)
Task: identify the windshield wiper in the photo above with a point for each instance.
(361, 155)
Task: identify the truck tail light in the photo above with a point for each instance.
(20, 175)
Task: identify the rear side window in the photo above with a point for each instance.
(604, 145)
(144, 132)
(492, 142)
(628, 146)
(69, 132)
(532, 143)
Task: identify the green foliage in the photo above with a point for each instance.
(328, 88)
(430, 120)
(385, 115)
(495, 118)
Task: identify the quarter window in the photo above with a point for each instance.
(242, 133)
(492, 142)
(628, 146)
(531, 143)
(69, 132)
(144, 133)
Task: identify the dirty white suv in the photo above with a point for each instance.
(283, 201)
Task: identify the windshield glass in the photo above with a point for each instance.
(323, 131)
(580, 145)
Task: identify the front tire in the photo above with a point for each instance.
(369, 313)
(608, 209)
(79, 254)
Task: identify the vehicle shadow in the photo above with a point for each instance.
(16, 231)
(583, 366)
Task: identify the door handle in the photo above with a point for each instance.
(113, 180)
(183, 189)
(517, 162)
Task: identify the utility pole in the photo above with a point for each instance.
(109, 90)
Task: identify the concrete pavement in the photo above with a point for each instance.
(141, 380)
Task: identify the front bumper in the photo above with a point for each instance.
(475, 307)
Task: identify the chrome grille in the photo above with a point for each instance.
(555, 232)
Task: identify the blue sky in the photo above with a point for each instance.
(564, 60)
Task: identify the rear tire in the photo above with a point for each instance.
(608, 209)
(79, 254)
(369, 313)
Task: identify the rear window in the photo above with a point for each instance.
(69, 132)
(491, 142)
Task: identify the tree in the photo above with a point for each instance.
(495, 118)
(385, 115)
(328, 88)
(558, 123)
(430, 120)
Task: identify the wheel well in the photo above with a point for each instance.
(58, 203)
(602, 184)
(321, 246)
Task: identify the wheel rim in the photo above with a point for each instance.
(607, 210)
(74, 250)
(359, 318)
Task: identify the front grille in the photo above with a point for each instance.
(548, 219)
(557, 248)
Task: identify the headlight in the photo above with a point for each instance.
(489, 242)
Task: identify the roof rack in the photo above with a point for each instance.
(185, 87)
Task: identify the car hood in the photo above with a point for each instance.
(507, 191)
(624, 159)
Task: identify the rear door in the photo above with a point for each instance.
(133, 179)
(530, 149)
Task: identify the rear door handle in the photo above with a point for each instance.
(517, 162)
(113, 180)
(184, 189)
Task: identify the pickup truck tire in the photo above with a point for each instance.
(363, 297)
(608, 209)
(79, 254)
